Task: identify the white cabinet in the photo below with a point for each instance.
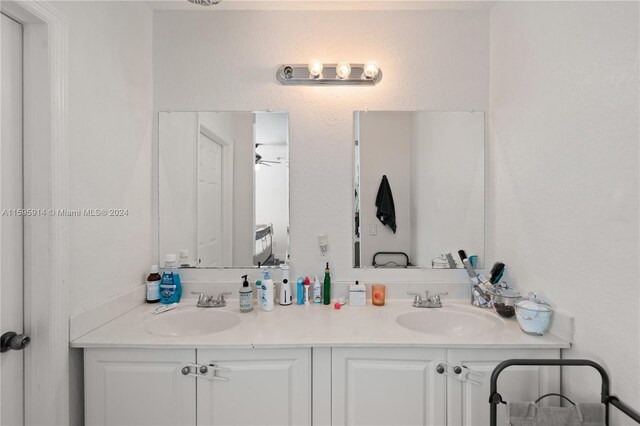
(351, 386)
(468, 404)
(263, 387)
(138, 387)
(387, 386)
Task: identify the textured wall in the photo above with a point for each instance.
(109, 101)
(564, 112)
(432, 60)
(109, 106)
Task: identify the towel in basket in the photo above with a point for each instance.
(532, 414)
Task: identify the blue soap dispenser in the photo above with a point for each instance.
(170, 286)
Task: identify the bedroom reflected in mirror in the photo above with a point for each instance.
(224, 188)
(418, 189)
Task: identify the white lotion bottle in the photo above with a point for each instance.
(267, 293)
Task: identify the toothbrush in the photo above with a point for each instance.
(496, 272)
(164, 308)
(452, 262)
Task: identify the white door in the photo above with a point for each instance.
(11, 231)
(468, 404)
(264, 387)
(139, 387)
(387, 386)
(209, 202)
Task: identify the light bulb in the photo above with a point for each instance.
(343, 70)
(315, 68)
(371, 69)
(257, 167)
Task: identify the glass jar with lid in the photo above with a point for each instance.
(533, 314)
(504, 300)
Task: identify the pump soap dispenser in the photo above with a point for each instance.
(246, 296)
(267, 295)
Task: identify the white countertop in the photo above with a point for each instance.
(311, 326)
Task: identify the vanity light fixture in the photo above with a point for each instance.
(343, 73)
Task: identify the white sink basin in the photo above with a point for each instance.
(450, 321)
(196, 322)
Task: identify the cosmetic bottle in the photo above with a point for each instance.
(326, 290)
(317, 291)
(267, 293)
(299, 292)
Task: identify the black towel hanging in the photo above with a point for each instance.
(386, 212)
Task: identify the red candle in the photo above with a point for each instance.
(377, 294)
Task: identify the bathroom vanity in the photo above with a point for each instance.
(308, 365)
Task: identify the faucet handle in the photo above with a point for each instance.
(417, 296)
(201, 297)
(436, 297)
(221, 296)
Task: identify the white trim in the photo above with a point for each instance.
(46, 245)
(98, 315)
(227, 186)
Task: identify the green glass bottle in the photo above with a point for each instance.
(326, 288)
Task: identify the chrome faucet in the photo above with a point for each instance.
(205, 301)
(429, 302)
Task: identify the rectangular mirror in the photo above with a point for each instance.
(432, 199)
(224, 188)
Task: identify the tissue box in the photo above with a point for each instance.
(357, 295)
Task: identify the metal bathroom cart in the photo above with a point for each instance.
(605, 397)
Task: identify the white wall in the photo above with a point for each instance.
(385, 149)
(564, 112)
(109, 110)
(431, 59)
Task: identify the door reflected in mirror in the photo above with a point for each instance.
(224, 188)
(418, 188)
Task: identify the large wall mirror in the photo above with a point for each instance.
(224, 188)
(418, 187)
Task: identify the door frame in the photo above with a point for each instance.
(227, 186)
(46, 242)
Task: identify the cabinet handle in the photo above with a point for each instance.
(460, 373)
(203, 371)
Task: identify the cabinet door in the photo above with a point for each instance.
(264, 387)
(138, 387)
(468, 404)
(387, 386)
